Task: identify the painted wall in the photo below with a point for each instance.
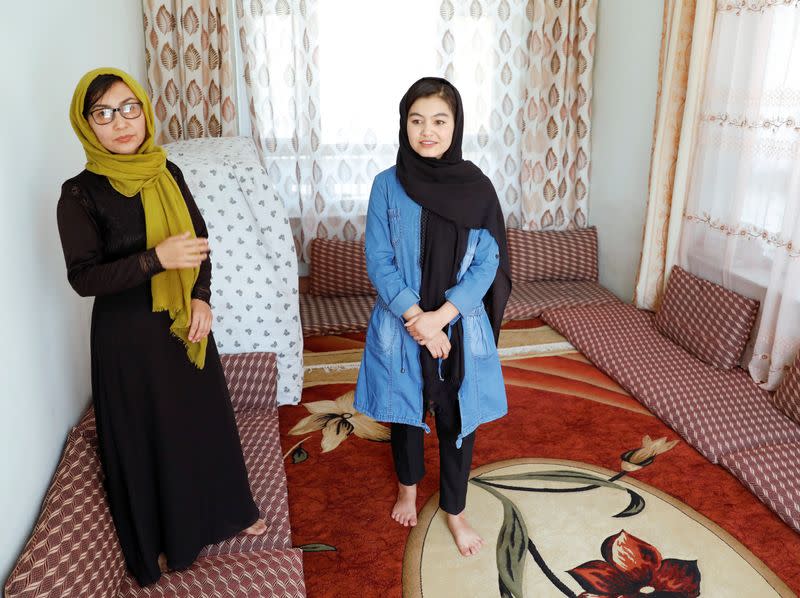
(623, 112)
(44, 353)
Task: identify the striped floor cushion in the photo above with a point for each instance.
(772, 473)
(252, 380)
(717, 411)
(73, 550)
(256, 574)
(709, 321)
(338, 268)
(530, 299)
(341, 315)
(334, 315)
(553, 255)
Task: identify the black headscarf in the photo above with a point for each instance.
(457, 196)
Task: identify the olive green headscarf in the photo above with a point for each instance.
(165, 211)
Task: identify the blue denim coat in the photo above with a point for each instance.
(389, 384)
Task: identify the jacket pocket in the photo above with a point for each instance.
(383, 328)
(478, 333)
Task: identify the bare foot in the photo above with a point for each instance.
(162, 563)
(404, 511)
(467, 539)
(258, 528)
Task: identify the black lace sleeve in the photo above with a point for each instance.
(87, 271)
(202, 286)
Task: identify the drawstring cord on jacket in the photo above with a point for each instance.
(402, 356)
(449, 331)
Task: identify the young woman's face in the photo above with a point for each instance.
(121, 135)
(430, 126)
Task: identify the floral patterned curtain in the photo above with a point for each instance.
(323, 104)
(189, 68)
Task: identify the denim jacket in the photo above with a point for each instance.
(389, 384)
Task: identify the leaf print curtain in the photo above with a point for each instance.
(189, 68)
(555, 118)
(323, 103)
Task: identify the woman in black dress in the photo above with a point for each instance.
(133, 238)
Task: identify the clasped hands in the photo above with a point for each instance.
(425, 327)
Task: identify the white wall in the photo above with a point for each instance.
(623, 109)
(44, 347)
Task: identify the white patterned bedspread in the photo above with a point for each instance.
(254, 275)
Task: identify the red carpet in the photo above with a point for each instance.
(560, 407)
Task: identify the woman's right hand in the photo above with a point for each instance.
(439, 345)
(179, 251)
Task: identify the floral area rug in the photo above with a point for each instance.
(578, 491)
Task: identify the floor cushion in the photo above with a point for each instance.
(717, 411)
(771, 472)
(710, 322)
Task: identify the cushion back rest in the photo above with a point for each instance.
(787, 397)
(709, 321)
(252, 380)
(338, 269)
(553, 255)
(74, 550)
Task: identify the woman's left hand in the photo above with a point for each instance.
(423, 327)
(201, 320)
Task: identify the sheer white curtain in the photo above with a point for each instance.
(742, 220)
(324, 79)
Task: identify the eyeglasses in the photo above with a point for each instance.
(103, 116)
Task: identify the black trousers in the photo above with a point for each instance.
(454, 463)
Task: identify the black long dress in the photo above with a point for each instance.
(169, 446)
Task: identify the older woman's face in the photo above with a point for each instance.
(121, 135)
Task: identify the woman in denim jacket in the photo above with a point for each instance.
(436, 253)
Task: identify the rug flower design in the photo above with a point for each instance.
(628, 560)
(337, 420)
(633, 568)
(644, 456)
